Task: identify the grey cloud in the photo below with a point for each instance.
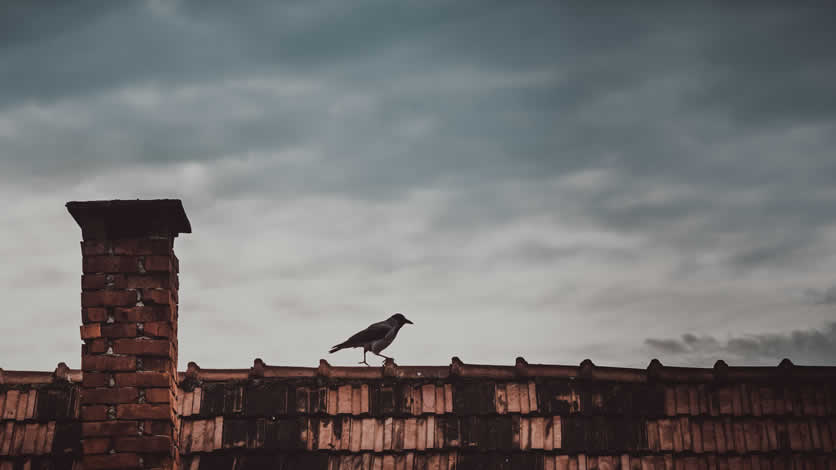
(45, 276)
(668, 346)
(809, 347)
(593, 167)
(821, 296)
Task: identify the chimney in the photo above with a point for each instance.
(129, 328)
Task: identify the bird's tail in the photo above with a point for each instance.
(336, 348)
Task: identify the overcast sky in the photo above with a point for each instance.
(546, 179)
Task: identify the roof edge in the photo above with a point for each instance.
(62, 373)
(522, 369)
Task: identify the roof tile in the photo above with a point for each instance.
(410, 431)
(416, 407)
(367, 428)
(548, 433)
(8, 438)
(421, 434)
(197, 395)
(12, 397)
(344, 399)
(364, 398)
(356, 401)
(525, 402)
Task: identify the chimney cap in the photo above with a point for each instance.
(123, 218)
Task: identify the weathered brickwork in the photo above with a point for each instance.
(129, 327)
(129, 408)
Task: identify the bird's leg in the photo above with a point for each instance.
(364, 358)
(381, 355)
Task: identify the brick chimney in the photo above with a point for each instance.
(129, 327)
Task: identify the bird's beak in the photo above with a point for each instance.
(407, 321)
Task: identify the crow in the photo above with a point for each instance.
(376, 337)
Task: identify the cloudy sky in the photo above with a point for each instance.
(546, 179)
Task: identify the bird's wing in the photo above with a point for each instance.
(374, 332)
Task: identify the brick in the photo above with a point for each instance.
(93, 314)
(149, 281)
(94, 281)
(141, 246)
(110, 264)
(97, 346)
(158, 395)
(157, 328)
(157, 296)
(92, 396)
(142, 444)
(143, 379)
(119, 330)
(108, 298)
(157, 364)
(119, 460)
(159, 263)
(143, 314)
(93, 330)
(143, 347)
(105, 363)
(109, 428)
(96, 445)
(94, 247)
(95, 379)
(94, 413)
(143, 411)
(158, 428)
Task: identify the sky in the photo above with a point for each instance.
(548, 179)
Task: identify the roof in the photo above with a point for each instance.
(461, 416)
(523, 416)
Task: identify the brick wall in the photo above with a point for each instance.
(129, 327)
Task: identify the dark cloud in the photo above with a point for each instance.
(821, 296)
(809, 347)
(607, 171)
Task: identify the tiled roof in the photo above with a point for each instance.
(460, 416)
(39, 425)
(523, 416)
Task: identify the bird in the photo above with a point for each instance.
(375, 338)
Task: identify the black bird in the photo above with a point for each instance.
(376, 337)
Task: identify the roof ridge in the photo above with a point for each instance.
(655, 371)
